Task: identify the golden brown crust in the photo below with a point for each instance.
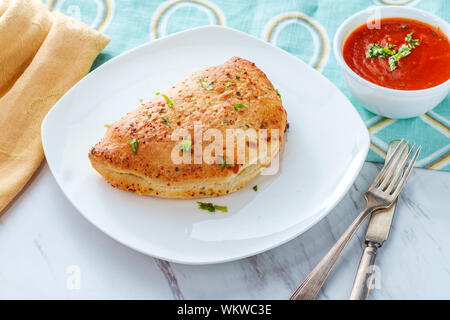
(151, 170)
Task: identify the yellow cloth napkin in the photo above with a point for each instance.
(23, 27)
(63, 58)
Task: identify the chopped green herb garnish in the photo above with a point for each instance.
(278, 94)
(239, 106)
(163, 110)
(225, 121)
(157, 93)
(211, 207)
(255, 187)
(402, 52)
(224, 163)
(206, 85)
(221, 208)
(375, 50)
(134, 145)
(206, 206)
(107, 125)
(186, 145)
(141, 100)
(412, 42)
(169, 102)
(228, 84)
(166, 121)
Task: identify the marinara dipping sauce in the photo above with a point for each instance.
(424, 61)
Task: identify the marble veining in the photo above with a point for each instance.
(43, 239)
(172, 281)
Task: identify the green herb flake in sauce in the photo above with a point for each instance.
(157, 93)
(402, 52)
(169, 102)
(412, 42)
(141, 100)
(134, 145)
(239, 106)
(255, 187)
(186, 145)
(163, 110)
(228, 84)
(208, 206)
(107, 125)
(376, 50)
(206, 85)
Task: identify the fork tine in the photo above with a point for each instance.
(398, 151)
(393, 168)
(398, 173)
(406, 175)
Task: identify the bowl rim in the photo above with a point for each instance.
(339, 40)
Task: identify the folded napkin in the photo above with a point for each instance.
(62, 59)
(23, 27)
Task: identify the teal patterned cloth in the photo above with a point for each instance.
(304, 28)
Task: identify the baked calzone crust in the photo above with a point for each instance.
(192, 122)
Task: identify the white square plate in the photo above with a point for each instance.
(326, 146)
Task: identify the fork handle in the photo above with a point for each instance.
(364, 275)
(311, 286)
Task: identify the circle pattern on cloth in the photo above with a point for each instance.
(397, 2)
(300, 35)
(104, 10)
(189, 14)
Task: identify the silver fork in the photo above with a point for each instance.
(381, 194)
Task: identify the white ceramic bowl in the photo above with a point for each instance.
(391, 103)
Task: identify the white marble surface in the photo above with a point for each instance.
(42, 235)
